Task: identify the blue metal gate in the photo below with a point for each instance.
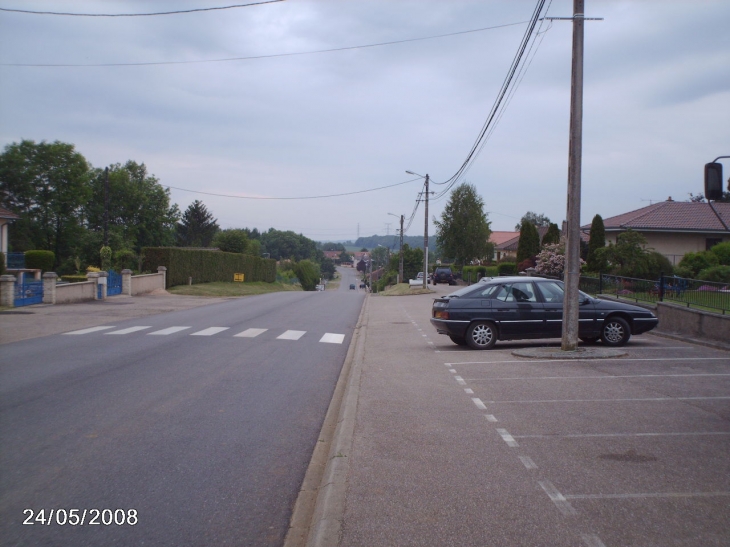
(113, 283)
(28, 292)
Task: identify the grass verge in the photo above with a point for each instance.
(402, 289)
(230, 289)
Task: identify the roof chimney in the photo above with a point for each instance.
(670, 198)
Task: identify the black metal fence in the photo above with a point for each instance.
(693, 293)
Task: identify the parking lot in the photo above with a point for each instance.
(600, 452)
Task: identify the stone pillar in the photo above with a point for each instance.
(127, 282)
(7, 291)
(163, 271)
(49, 287)
(103, 276)
(94, 276)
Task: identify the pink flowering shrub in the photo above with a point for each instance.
(551, 260)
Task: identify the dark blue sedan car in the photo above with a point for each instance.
(514, 308)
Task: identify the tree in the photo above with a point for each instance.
(597, 241)
(197, 226)
(552, 235)
(282, 245)
(329, 246)
(529, 243)
(463, 231)
(534, 219)
(345, 257)
(47, 185)
(628, 257)
(231, 240)
(328, 268)
(308, 273)
(379, 256)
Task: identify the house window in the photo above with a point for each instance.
(710, 242)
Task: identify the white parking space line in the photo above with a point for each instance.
(490, 418)
(460, 380)
(330, 338)
(506, 437)
(169, 330)
(209, 331)
(479, 403)
(592, 540)
(250, 333)
(452, 370)
(469, 391)
(557, 498)
(646, 495)
(527, 462)
(291, 335)
(128, 331)
(622, 359)
(654, 399)
(89, 330)
(592, 435)
(596, 377)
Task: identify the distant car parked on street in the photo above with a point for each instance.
(514, 308)
(352, 286)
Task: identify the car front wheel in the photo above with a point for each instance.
(481, 335)
(615, 332)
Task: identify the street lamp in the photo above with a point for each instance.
(425, 233)
(400, 259)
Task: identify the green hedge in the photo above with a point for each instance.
(40, 260)
(206, 266)
(2, 263)
(507, 268)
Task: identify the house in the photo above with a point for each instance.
(673, 228)
(499, 239)
(6, 217)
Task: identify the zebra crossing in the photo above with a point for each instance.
(294, 335)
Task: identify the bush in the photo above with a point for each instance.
(476, 273)
(658, 263)
(718, 274)
(205, 266)
(2, 263)
(722, 252)
(125, 260)
(40, 260)
(527, 263)
(696, 262)
(507, 268)
(74, 278)
(308, 274)
(491, 271)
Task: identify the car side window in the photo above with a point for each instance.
(488, 292)
(523, 292)
(551, 292)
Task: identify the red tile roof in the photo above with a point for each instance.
(673, 216)
(4, 213)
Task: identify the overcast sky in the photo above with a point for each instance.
(656, 103)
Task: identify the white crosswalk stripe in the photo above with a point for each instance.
(251, 333)
(327, 338)
(210, 331)
(128, 331)
(168, 330)
(292, 335)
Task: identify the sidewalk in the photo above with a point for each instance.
(46, 319)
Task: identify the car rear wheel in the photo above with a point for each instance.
(481, 335)
(458, 341)
(615, 332)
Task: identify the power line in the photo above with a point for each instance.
(253, 57)
(137, 14)
(288, 198)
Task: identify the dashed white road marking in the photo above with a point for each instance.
(590, 435)
(169, 330)
(639, 400)
(594, 377)
(291, 335)
(608, 359)
(490, 418)
(527, 462)
(506, 437)
(91, 329)
(592, 540)
(128, 330)
(250, 333)
(469, 391)
(557, 498)
(452, 370)
(460, 380)
(330, 338)
(210, 331)
(479, 403)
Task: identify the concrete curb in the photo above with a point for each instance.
(676, 336)
(318, 512)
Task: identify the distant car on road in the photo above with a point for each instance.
(515, 308)
(443, 275)
(352, 286)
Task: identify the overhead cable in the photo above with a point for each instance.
(138, 14)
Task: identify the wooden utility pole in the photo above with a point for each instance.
(425, 242)
(106, 207)
(572, 245)
(400, 259)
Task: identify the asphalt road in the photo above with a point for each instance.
(189, 436)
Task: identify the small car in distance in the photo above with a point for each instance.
(515, 308)
(443, 275)
(352, 286)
